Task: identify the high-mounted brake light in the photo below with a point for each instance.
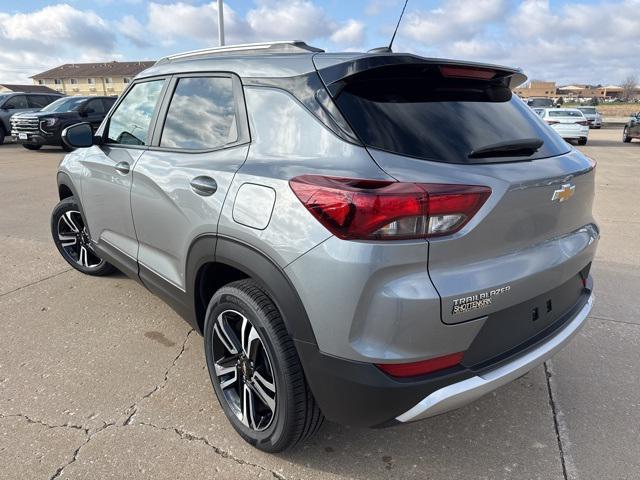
(355, 209)
(450, 71)
(414, 369)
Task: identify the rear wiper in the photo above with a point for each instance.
(512, 148)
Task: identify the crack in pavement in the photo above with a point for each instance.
(76, 452)
(134, 407)
(565, 458)
(43, 423)
(612, 320)
(35, 282)
(219, 451)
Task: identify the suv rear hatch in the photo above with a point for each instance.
(443, 122)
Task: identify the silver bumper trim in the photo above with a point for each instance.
(459, 394)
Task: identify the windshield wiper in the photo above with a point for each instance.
(512, 148)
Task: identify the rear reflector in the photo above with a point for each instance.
(449, 71)
(421, 368)
(356, 209)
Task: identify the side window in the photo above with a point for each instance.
(19, 101)
(95, 105)
(129, 124)
(201, 114)
(38, 101)
(108, 103)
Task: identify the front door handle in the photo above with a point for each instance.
(122, 167)
(204, 186)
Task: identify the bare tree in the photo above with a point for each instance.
(629, 87)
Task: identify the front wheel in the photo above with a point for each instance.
(625, 135)
(31, 146)
(582, 141)
(1, 135)
(71, 237)
(255, 369)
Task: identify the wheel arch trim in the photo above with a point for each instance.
(258, 266)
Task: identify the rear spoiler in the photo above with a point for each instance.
(334, 74)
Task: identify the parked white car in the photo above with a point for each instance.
(570, 123)
(592, 115)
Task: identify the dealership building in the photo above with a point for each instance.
(104, 78)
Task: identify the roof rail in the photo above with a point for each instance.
(288, 46)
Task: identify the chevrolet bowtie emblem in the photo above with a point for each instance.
(564, 193)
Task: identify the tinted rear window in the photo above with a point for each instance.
(423, 115)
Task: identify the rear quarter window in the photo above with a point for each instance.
(423, 115)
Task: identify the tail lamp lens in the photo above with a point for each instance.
(403, 370)
(583, 122)
(552, 122)
(355, 209)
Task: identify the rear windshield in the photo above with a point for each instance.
(423, 115)
(587, 110)
(565, 113)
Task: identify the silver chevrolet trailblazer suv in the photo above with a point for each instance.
(374, 238)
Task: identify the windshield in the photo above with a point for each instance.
(64, 105)
(587, 110)
(565, 113)
(423, 115)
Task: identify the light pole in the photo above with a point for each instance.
(220, 23)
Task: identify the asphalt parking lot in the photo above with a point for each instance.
(99, 379)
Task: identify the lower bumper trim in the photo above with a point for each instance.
(466, 391)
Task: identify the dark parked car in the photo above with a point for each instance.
(632, 128)
(17, 102)
(35, 129)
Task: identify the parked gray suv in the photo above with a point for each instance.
(18, 102)
(372, 238)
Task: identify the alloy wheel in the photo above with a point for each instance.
(74, 240)
(243, 370)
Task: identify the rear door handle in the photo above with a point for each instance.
(122, 167)
(204, 186)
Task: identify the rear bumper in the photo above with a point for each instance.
(359, 394)
(461, 393)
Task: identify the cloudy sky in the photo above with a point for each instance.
(585, 41)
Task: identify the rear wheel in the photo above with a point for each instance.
(1, 134)
(625, 135)
(31, 146)
(582, 141)
(71, 237)
(255, 369)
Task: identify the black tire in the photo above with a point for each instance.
(2, 134)
(31, 146)
(65, 147)
(297, 415)
(625, 136)
(582, 141)
(72, 240)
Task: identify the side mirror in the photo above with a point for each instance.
(79, 135)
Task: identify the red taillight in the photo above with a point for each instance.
(451, 71)
(551, 122)
(354, 209)
(421, 368)
(583, 122)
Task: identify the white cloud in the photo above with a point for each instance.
(577, 42)
(351, 34)
(453, 20)
(169, 22)
(28, 40)
(291, 20)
